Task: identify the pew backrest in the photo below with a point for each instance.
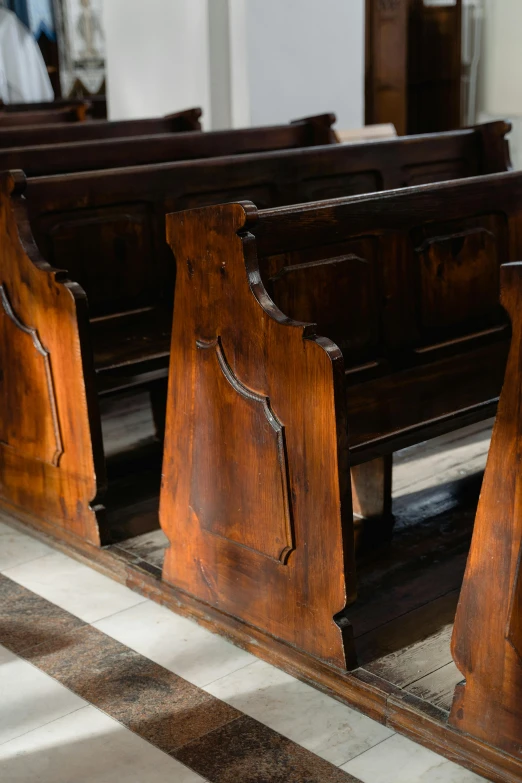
(134, 151)
(107, 228)
(75, 113)
(60, 133)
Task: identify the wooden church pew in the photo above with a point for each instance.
(117, 152)
(107, 229)
(96, 105)
(60, 133)
(67, 114)
(307, 340)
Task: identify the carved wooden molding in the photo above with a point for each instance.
(278, 429)
(33, 334)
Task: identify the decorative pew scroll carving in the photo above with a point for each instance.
(487, 636)
(256, 496)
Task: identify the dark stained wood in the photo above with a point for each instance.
(67, 114)
(413, 65)
(386, 51)
(434, 67)
(58, 133)
(107, 229)
(95, 106)
(487, 635)
(111, 152)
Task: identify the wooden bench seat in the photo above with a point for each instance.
(107, 229)
(58, 158)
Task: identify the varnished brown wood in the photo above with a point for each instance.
(95, 105)
(372, 501)
(58, 133)
(107, 229)
(112, 153)
(47, 461)
(487, 638)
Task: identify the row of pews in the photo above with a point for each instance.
(296, 310)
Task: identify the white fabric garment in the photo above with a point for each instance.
(23, 74)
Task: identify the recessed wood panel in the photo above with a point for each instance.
(31, 427)
(458, 277)
(239, 450)
(111, 252)
(338, 288)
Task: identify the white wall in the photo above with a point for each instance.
(305, 57)
(245, 62)
(501, 71)
(157, 57)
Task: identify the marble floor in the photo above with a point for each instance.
(99, 685)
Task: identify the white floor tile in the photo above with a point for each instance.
(316, 721)
(399, 760)
(88, 747)
(176, 643)
(29, 698)
(17, 548)
(75, 587)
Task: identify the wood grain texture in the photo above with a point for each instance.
(487, 638)
(213, 451)
(48, 463)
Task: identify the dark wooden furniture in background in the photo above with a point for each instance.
(93, 102)
(386, 54)
(413, 65)
(107, 229)
(139, 150)
(32, 135)
(67, 114)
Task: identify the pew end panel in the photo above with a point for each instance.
(51, 462)
(487, 635)
(255, 495)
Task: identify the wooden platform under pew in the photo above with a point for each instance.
(403, 617)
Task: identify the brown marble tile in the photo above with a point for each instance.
(161, 707)
(247, 751)
(27, 620)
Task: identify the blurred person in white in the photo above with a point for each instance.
(23, 74)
